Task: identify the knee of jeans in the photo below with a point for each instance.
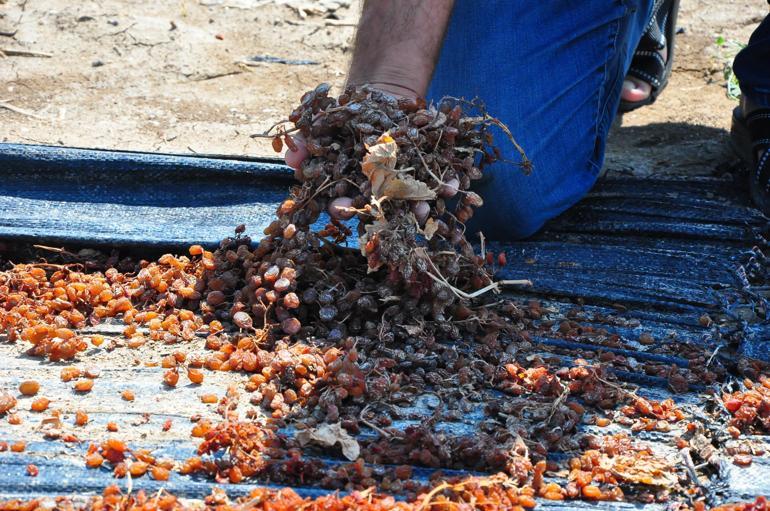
(509, 219)
(517, 206)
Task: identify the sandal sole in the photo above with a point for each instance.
(740, 140)
(740, 137)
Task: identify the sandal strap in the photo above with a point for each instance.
(649, 66)
(758, 123)
(654, 37)
(762, 171)
(647, 63)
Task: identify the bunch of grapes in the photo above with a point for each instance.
(402, 169)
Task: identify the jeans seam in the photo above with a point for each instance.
(602, 100)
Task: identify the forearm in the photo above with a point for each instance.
(398, 43)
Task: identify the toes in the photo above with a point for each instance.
(635, 90)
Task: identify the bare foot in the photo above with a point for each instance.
(634, 89)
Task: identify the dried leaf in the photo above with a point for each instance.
(646, 470)
(431, 226)
(413, 330)
(379, 165)
(407, 188)
(328, 435)
(370, 230)
(380, 162)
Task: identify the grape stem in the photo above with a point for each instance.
(462, 294)
(376, 428)
(427, 169)
(266, 133)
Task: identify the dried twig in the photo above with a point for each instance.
(57, 250)
(14, 52)
(22, 111)
(690, 466)
(557, 402)
(378, 429)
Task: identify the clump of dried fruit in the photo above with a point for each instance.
(750, 408)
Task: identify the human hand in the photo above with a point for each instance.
(297, 153)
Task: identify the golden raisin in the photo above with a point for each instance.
(171, 377)
(40, 404)
(84, 385)
(195, 375)
(138, 468)
(94, 460)
(81, 418)
(159, 473)
(29, 387)
(69, 373)
(591, 492)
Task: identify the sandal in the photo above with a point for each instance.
(750, 134)
(648, 64)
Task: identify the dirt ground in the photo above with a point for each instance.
(169, 76)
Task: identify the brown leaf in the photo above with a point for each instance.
(328, 435)
(379, 165)
(646, 470)
(380, 162)
(407, 188)
(431, 226)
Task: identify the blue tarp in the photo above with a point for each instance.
(653, 255)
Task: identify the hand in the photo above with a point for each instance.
(339, 207)
(294, 159)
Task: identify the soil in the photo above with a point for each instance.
(165, 76)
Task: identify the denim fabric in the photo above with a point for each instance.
(553, 72)
(752, 66)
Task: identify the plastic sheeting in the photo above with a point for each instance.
(634, 257)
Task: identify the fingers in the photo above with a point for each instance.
(341, 208)
(294, 159)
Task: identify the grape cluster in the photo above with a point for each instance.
(403, 169)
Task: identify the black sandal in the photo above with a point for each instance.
(749, 135)
(648, 64)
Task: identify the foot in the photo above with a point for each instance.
(634, 89)
(748, 108)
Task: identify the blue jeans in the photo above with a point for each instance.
(552, 71)
(752, 66)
